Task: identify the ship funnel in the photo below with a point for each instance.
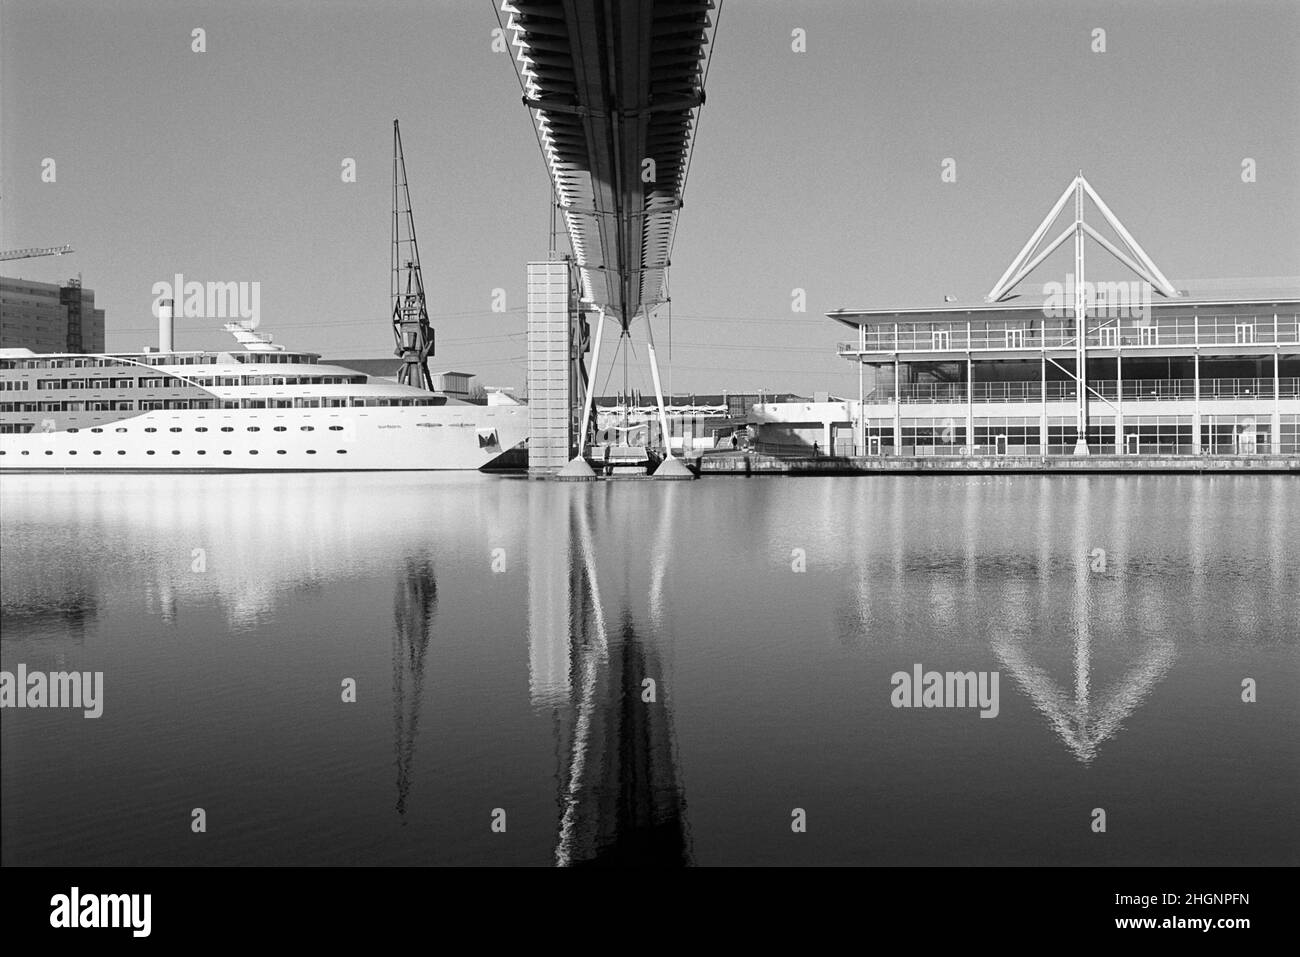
(165, 325)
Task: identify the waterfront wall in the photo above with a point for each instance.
(750, 463)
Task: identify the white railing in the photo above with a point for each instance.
(1103, 333)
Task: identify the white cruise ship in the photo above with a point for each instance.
(252, 409)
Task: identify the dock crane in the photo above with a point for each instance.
(410, 314)
(34, 251)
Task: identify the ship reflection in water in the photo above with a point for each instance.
(619, 787)
(575, 655)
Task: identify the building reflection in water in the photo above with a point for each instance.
(1049, 606)
(1083, 720)
(620, 799)
(415, 603)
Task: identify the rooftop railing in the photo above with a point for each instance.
(1057, 333)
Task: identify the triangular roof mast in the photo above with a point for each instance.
(1027, 261)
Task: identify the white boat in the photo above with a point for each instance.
(255, 409)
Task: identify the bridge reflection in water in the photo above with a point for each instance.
(620, 797)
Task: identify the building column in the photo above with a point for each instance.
(1275, 437)
(970, 400)
(898, 405)
(1042, 425)
(1196, 403)
(861, 440)
(1119, 402)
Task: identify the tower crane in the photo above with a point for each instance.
(33, 251)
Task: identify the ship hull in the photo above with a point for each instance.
(460, 437)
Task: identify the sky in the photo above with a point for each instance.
(818, 170)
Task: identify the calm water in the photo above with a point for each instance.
(502, 632)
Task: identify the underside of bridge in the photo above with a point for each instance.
(613, 86)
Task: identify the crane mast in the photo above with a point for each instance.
(410, 314)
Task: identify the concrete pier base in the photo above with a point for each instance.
(674, 470)
(577, 470)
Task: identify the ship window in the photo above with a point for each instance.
(336, 428)
(201, 452)
(307, 428)
(49, 453)
(201, 428)
(342, 451)
(174, 429)
(27, 453)
(120, 452)
(176, 452)
(279, 451)
(254, 428)
(96, 452)
(151, 429)
(74, 430)
(119, 430)
(226, 428)
(96, 429)
(252, 451)
(309, 452)
(225, 451)
(279, 428)
(72, 451)
(150, 452)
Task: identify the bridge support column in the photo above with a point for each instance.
(659, 392)
(589, 399)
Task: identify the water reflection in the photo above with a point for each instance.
(415, 604)
(606, 585)
(1080, 723)
(1009, 565)
(620, 796)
